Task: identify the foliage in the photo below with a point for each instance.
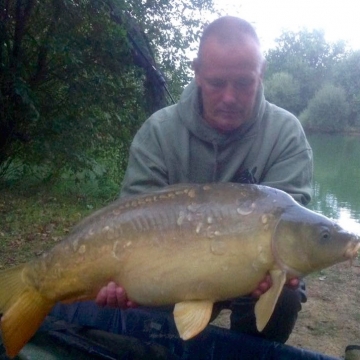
(300, 70)
(77, 77)
(307, 57)
(283, 90)
(327, 110)
(347, 75)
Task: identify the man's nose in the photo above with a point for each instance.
(229, 94)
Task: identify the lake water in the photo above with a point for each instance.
(337, 178)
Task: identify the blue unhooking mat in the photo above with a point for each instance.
(85, 331)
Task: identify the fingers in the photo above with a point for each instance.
(101, 297)
(262, 287)
(113, 296)
(293, 283)
(265, 285)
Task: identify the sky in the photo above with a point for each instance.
(340, 20)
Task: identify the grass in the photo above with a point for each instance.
(34, 218)
(322, 328)
(357, 316)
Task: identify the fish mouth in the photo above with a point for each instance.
(352, 251)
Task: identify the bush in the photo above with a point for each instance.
(283, 90)
(328, 110)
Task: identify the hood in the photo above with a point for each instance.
(190, 114)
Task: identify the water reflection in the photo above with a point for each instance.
(337, 178)
(347, 221)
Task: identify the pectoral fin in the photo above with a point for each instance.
(191, 317)
(267, 301)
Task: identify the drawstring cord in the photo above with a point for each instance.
(215, 170)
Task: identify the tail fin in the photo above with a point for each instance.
(23, 310)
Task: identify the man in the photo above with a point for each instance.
(223, 130)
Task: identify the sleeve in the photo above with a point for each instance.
(146, 169)
(291, 168)
(296, 177)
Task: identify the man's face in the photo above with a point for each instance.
(229, 77)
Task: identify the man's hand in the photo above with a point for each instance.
(114, 296)
(265, 285)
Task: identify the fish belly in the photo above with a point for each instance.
(160, 276)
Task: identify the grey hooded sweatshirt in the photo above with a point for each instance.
(175, 145)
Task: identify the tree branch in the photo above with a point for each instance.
(42, 65)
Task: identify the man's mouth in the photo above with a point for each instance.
(230, 112)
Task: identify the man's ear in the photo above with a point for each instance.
(195, 64)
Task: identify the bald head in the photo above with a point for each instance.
(230, 31)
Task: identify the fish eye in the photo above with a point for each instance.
(325, 235)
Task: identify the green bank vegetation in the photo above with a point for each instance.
(77, 79)
(316, 80)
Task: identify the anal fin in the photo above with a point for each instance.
(264, 307)
(191, 317)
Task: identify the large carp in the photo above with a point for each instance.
(189, 245)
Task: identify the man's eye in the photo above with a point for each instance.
(216, 83)
(243, 83)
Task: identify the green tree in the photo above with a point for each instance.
(307, 57)
(327, 110)
(75, 77)
(283, 90)
(58, 67)
(347, 75)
